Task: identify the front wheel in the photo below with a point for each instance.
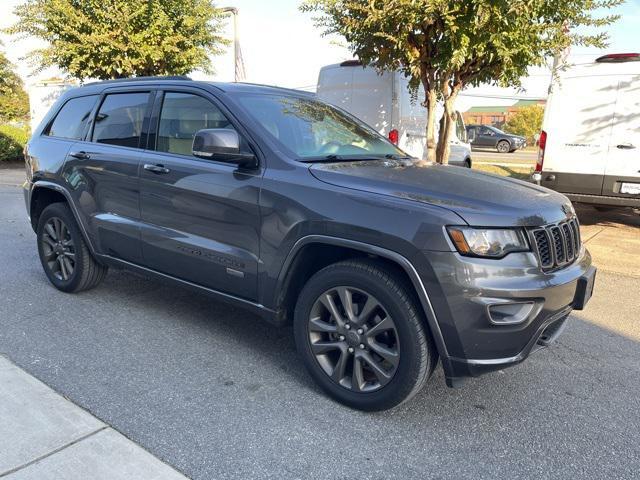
(64, 255)
(362, 336)
(503, 146)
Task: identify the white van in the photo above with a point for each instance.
(384, 103)
(590, 139)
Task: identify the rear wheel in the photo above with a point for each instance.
(64, 255)
(503, 146)
(362, 337)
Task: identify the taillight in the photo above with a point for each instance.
(542, 143)
(393, 136)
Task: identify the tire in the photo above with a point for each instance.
(467, 163)
(323, 344)
(503, 146)
(64, 255)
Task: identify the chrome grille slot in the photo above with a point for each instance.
(557, 245)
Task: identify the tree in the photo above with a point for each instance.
(526, 121)
(107, 39)
(14, 101)
(446, 45)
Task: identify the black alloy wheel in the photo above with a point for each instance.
(58, 249)
(354, 339)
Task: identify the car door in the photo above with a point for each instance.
(486, 137)
(622, 172)
(201, 218)
(102, 171)
(578, 131)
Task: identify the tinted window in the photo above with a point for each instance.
(486, 131)
(182, 115)
(72, 118)
(119, 120)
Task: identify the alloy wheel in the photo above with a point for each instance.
(354, 339)
(58, 249)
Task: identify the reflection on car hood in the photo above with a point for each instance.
(479, 198)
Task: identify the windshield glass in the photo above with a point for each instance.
(311, 129)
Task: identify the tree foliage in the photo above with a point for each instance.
(14, 101)
(106, 39)
(526, 121)
(446, 45)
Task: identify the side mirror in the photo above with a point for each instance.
(222, 144)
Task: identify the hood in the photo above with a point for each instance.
(481, 199)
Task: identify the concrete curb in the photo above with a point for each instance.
(44, 436)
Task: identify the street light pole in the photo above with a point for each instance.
(238, 63)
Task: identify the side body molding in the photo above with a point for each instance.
(404, 263)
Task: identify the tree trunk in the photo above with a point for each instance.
(430, 103)
(447, 124)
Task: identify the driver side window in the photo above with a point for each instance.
(486, 131)
(182, 115)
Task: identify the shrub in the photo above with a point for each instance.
(526, 121)
(12, 141)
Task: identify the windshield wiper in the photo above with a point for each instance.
(353, 158)
(332, 158)
(393, 156)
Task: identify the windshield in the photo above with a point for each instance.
(310, 129)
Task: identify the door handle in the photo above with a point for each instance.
(626, 146)
(156, 168)
(80, 155)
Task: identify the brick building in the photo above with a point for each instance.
(496, 115)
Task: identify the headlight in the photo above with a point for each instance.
(488, 242)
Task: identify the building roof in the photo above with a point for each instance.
(490, 109)
(503, 109)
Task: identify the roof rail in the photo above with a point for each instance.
(139, 79)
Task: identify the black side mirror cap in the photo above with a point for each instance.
(222, 144)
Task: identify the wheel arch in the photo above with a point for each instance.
(313, 252)
(45, 193)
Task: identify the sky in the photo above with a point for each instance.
(281, 46)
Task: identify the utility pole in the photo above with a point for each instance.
(239, 72)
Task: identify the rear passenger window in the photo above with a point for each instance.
(72, 118)
(182, 115)
(119, 120)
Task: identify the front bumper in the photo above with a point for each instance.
(464, 291)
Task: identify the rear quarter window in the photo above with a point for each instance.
(71, 120)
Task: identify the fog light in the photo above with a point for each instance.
(510, 313)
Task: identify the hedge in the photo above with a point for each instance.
(12, 141)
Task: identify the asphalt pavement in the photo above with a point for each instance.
(216, 393)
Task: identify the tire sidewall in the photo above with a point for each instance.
(408, 372)
(61, 211)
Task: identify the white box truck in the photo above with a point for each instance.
(383, 101)
(590, 139)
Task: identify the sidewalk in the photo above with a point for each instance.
(43, 436)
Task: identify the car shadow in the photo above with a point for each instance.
(614, 217)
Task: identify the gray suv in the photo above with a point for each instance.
(297, 211)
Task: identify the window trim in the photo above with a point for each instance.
(115, 91)
(45, 131)
(154, 125)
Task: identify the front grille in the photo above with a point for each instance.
(557, 245)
